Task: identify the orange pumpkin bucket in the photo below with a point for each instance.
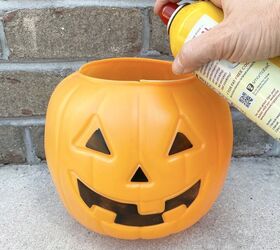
(135, 151)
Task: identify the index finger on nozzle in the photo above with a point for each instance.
(160, 3)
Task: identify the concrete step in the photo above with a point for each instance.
(246, 216)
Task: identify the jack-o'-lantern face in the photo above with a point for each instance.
(126, 213)
(137, 159)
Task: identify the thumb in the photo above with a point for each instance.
(212, 45)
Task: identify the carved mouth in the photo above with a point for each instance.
(127, 214)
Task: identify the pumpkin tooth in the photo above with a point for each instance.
(151, 207)
(103, 214)
(174, 214)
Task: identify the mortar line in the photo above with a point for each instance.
(275, 151)
(16, 5)
(42, 66)
(31, 157)
(146, 30)
(40, 121)
(3, 42)
(146, 36)
(51, 64)
(53, 60)
(39, 67)
(22, 122)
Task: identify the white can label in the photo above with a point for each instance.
(253, 88)
(204, 24)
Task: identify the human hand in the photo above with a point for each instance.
(250, 32)
(160, 3)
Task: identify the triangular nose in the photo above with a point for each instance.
(139, 176)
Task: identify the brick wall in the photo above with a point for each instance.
(43, 41)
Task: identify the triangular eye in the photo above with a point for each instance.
(97, 143)
(180, 144)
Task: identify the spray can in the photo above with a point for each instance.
(253, 88)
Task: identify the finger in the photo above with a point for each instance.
(160, 3)
(218, 3)
(212, 45)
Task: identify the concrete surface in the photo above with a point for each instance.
(246, 216)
